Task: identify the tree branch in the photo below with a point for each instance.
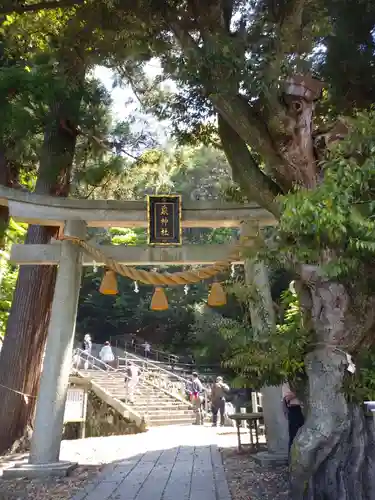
(288, 34)
(246, 172)
(21, 8)
(230, 105)
(248, 125)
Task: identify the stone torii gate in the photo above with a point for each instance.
(75, 216)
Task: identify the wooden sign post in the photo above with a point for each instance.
(76, 407)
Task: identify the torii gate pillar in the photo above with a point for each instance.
(48, 425)
(263, 319)
(49, 417)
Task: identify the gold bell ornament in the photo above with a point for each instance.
(159, 300)
(108, 285)
(217, 296)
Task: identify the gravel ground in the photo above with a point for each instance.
(249, 481)
(42, 489)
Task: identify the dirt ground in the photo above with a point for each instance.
(46, 489)
(249, 481)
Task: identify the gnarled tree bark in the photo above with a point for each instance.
(332, 456)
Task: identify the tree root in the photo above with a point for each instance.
(22, 444)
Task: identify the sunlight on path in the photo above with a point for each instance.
(166, 463)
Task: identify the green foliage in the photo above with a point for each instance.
(271, 362)
(351, 49)
(339, 215)
(208, 345)
(8, 276)
(360, 386)
(8, 272)
(128, 236)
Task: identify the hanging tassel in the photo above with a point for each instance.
(217, 296)
(159, 300)
(109, 283)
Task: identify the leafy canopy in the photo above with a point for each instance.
(339, 215)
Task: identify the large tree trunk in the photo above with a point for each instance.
(4, 211)
(333, 456)
(24, 343)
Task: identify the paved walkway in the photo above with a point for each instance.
(173, 463)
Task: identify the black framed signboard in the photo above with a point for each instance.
(164, 219)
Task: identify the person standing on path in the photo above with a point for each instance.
(131, 381)
(147, 348)
(87, 347)
(132, 341)
(294, 412)
(106, 354)
(218, 401)
(197, 398)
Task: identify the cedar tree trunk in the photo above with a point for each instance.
(24, 343)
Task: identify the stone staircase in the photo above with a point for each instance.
(154, 404)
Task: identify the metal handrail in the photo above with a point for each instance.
(143, 363)
(150, 363)
(84, 354)
(78, 351)
(159, 355)
(170, 374)
(173, 359)
(143, 382)
(157, 352)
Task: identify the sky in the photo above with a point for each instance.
(125, 103)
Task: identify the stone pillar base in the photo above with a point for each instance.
(269, 459)
(32, 471)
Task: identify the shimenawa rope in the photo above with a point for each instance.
(155, 278)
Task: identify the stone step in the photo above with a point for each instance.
(140, 389)
(123, 390)
(157, 407)
(121, 376)
(121, 383)
(147, 404)
(160, 422)
(165, 414)
(143, 390)
(145, 399)
(121, 386)
(171, 409)
(146, 389)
